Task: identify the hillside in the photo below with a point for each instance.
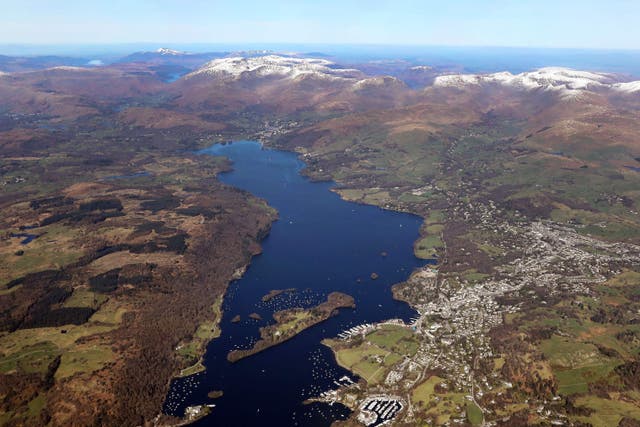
(528, 185)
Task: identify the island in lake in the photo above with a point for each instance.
(291, 322)
(276, 292)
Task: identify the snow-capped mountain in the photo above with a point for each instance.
(166, 56)
(565, 81)
(274, 65)
(166, 51)
(68, 68)
(421, 68)
(377, 82)
(287, 83)
(629, 87)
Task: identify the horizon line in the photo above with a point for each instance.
(326, 44)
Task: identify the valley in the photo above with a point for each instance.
(119, 239)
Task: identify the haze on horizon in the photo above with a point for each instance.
(589, 24)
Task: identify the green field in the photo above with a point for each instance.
(438, 406)
(36, 405)
(607, 412)
(192, 351)
(85, 298)
(395, 339)
(368, 362)
(576, 365)
(373, 358)
(32, 350)
(474, 276)
(85, 360)
(424, 393)
(54, 248)
(427, 247)
(474, 414)
(33, 358)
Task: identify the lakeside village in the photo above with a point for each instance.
(450, 335)
(451, 332)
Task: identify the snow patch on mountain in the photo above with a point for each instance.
(568, 82)
(68, 68)
(629, 87)
(377, 82)
(421, 68)
(275, 65)
(169, 52)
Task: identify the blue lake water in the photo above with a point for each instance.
(172, 77)
(26, 237)
(320, 244)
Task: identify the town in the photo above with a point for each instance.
(457, 314)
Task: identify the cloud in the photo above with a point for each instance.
(95, 63)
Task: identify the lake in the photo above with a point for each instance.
(319, 244)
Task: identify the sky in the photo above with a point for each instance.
(612, 24)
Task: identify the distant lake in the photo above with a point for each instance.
(320, 244)
(172, 77)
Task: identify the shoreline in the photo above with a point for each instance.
(199, 365)
(276, 333)
(261, 345)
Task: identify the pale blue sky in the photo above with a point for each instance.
(540, 23)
